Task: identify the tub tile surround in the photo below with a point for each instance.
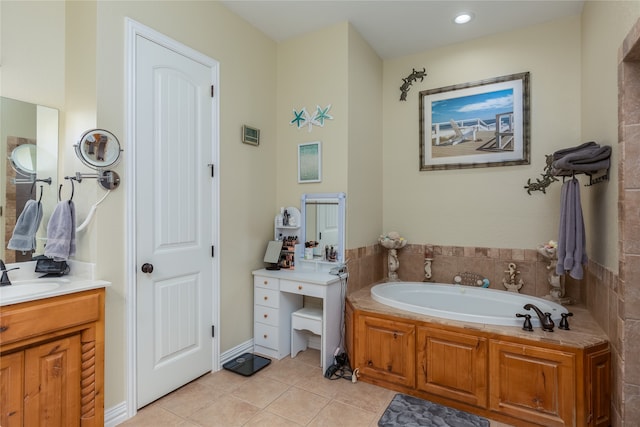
(368, 265)
(623, 292)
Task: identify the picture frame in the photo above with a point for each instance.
(473, 125)
(309, 162)
(250, 135)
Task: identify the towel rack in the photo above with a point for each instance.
(73, 188)
(595, 177)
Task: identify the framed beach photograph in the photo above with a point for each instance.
(479, 124)
(310, 162)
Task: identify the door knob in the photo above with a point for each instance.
(147, 268)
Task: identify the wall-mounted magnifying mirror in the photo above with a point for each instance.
(323, 221)
(23, 159)
(99, 149)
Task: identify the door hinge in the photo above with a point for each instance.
(213, 251)
(213, 331)
(212, 167)
(212, 91)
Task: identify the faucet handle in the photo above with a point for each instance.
(564, 323)
(527, 322)
(548, 323)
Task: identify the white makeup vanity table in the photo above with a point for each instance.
(279, 293)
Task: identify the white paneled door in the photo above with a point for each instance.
(175, 217)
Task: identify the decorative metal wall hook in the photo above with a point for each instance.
(408, 81)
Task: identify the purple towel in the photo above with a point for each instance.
(561, 153)
(571, 235)
(24, 233)
(588, 157)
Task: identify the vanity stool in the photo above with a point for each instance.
(305, 319)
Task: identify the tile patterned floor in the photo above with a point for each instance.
(287, 393)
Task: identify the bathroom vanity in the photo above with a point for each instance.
(52, 355)
(537, 378)
(278, 293)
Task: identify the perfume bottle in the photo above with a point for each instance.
(280, 218)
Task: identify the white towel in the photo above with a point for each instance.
(24, 233)
(61, 232)
(571, 235)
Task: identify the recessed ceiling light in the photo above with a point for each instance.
(463, 18)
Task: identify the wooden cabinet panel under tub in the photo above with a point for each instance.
(533, 383)
(538, 378)
(452, 364)
(385, 350)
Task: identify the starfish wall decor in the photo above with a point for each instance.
(302, 118)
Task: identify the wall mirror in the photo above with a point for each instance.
(323, 221)
(29, 147)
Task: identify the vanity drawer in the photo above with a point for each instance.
(302, 288)
(265, 335)
(54, 314)
(265, 282)
(266, 297)
(266, 315)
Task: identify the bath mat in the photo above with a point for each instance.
(409, 411)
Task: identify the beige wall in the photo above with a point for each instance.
(305, 81)
(605, 25)
(352, 141)
(32, 36)
(364, 169)
(486, 206)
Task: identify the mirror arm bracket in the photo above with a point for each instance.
(109, 180)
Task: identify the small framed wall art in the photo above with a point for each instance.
(310, 162)
(250, 135)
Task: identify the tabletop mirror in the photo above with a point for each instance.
(323, 221)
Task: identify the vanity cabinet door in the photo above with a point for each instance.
(52, 383)
(599, 388)
(11, 391)
(453, 365)
(532, 383)
(386, 350)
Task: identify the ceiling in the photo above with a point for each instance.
(396, 28)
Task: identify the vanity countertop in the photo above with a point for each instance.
(304, 275)
(29, 286)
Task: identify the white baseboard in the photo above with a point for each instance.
(232, 353)
(115, 415)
